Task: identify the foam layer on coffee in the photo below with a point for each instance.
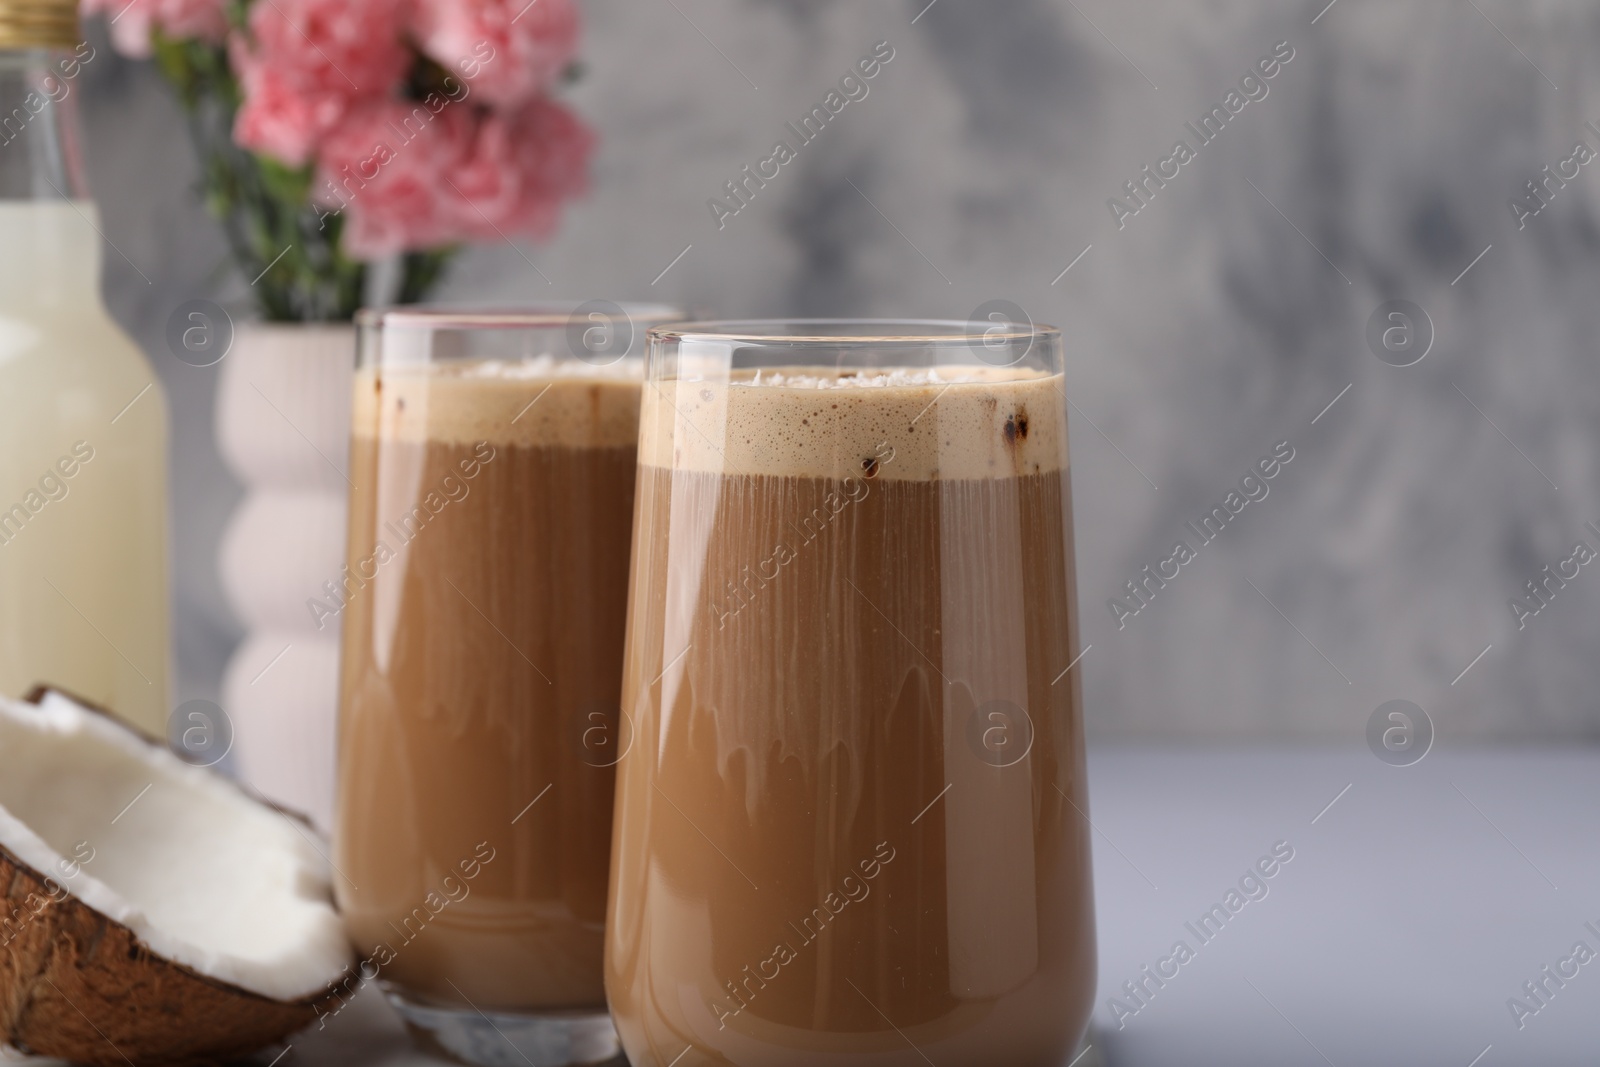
(898, 424)
(537, 402)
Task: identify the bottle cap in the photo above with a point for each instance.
(39, 24)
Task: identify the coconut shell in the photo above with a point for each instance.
(77, 985)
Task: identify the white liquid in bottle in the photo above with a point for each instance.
(83, 494)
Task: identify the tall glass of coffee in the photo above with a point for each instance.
(851, 827)
(483, 602)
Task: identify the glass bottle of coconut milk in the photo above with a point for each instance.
(83, 420)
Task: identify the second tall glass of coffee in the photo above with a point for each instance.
(852, 826)
(492, 471)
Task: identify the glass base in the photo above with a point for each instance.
(511, 1039)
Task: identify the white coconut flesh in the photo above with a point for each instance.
(202, 874)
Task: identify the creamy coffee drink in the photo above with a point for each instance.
(489, 532)
(852, 827)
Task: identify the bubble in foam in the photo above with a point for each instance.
(545, 366)
(543, 401)
(894, 423)
(897, 377)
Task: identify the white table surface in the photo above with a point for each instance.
(1413, 908)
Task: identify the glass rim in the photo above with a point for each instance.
(541, 315)
(833, 332)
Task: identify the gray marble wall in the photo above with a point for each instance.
(1221, 319)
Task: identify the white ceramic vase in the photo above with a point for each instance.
(283, 427)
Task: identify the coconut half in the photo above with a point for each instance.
(154, 913)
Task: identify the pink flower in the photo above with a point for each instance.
(278, 118)
(553, 150)
(406, 176)
(384, 166)
(519, 169)
(351, 47)
(508, 50)
(486, 187)
(305, 64)
(131, 23)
